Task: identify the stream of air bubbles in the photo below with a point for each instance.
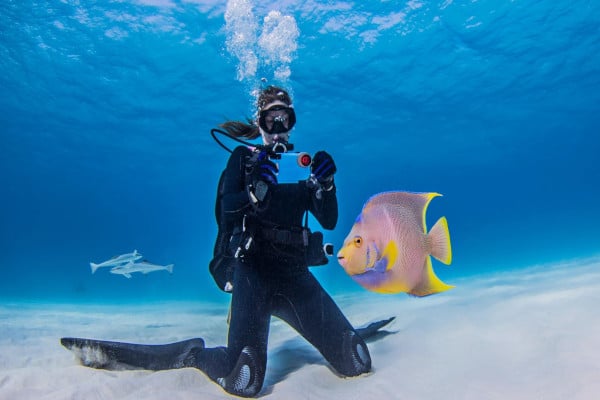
(264, 51)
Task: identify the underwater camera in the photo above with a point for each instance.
(293, 167)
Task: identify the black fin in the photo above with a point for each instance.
(372, 331)
(116, 355)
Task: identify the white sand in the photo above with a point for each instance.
(531, 335)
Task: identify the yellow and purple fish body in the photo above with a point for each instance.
(388, 249)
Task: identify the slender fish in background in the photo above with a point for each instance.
(117, 260)
(144, 267)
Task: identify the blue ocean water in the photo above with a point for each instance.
(106, 109)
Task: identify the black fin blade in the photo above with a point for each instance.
(373, 330)
(116, 355)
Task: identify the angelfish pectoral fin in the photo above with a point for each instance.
(430, 283)
(388, 258)
(391, 254)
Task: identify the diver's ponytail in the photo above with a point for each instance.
(240, 129)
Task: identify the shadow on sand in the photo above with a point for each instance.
(296, 353)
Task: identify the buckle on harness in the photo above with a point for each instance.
(245, 242)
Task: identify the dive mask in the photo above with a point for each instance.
(277, 119)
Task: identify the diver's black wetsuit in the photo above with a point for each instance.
(274, 280)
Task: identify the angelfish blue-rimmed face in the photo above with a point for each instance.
(359, 251)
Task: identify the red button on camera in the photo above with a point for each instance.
(304, 159)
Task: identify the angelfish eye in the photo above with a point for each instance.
(358, 241)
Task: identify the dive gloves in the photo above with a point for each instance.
(322, 168)
(261, 173)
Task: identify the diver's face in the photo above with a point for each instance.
(275, 122)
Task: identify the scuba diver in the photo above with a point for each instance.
(271, 277)
(262, 255)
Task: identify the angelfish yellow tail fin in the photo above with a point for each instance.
(439, 240)
(430, 283)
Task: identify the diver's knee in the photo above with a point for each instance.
(356, 360)
(246, 378)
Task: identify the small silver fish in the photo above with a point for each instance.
(117, 260)
(388, 248)
(144, 267)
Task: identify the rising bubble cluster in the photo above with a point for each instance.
(268, 48)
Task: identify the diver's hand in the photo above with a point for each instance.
(261, 174)
(322, 168)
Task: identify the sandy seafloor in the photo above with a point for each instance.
(527, 334)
